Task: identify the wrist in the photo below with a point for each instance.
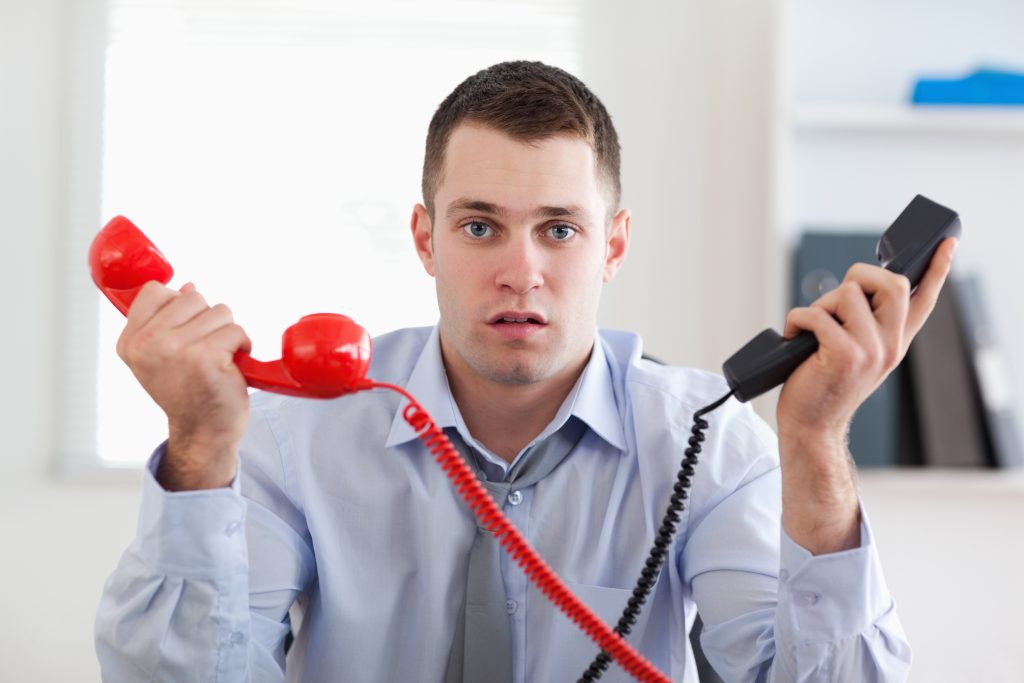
(192, 463)
(832, 436)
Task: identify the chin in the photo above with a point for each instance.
(512, 374)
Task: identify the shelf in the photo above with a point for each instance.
(967, 120)
(943, 481)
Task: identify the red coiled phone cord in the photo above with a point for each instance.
(533, 565)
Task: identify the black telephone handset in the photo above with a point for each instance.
(906, 248)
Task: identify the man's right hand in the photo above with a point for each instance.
(182, 352)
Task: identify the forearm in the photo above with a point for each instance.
(820, 509)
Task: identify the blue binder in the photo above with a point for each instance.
(985, 86)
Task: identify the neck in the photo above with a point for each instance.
(503, 417)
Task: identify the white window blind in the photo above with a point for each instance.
(272, 150)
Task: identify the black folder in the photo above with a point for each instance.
(948, 408)
(993, 385)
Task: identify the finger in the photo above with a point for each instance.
(818, 321)
(151, 298)
(203, 324)
(861, 340)
(156, 312)
(927, 292)
(850, 307)
(182, 308)
(228, 340)
(888, 294)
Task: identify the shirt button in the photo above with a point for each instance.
(784, 575)
(237, 638)
(809, 598)
(232, 528)
(511, 606)
(515, 498)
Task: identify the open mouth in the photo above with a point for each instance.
(512, 321)
(518, 318)
(518, 325)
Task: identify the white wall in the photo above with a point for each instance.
(690, 88)
(59, 540)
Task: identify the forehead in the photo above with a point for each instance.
(486, 164)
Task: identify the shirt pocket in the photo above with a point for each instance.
(557, 650)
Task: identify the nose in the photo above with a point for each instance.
(522, 265)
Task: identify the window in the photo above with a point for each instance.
(272, 150)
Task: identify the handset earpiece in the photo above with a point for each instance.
(122, 259)
(324, 355)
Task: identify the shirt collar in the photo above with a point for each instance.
(592, 399)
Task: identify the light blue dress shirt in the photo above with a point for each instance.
(341, 526)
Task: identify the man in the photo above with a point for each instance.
(332, 511)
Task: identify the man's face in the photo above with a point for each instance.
(519, 247)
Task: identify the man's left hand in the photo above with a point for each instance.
(863, 330)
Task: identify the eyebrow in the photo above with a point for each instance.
(480, 206)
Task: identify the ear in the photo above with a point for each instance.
(618, 244)
(422, 237)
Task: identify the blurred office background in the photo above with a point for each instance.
(272, 150)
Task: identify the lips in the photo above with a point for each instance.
(517, 317)
(517, 325)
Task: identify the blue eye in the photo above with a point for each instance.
(561, 232)
(477, 229)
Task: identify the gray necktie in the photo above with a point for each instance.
(482, 648)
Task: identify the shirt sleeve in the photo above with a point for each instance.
(182, 603)
(836, 619)
(774, 612)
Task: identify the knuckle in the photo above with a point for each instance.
(134, 356)
(152, 295)
(875, 356)
(142, 340)
(194, 299)
(122, 343)
(223, 313)
(892, 355)
(850, 289)
(857, 359)
(194, 354)
(901, 283)
(846, 363)
(151, 288)
(856, 270)
(858, 354)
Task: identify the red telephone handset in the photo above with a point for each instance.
(327, 355)
(324, 355)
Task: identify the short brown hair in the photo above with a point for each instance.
(529, 101)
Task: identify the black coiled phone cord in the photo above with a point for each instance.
(662, 542)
